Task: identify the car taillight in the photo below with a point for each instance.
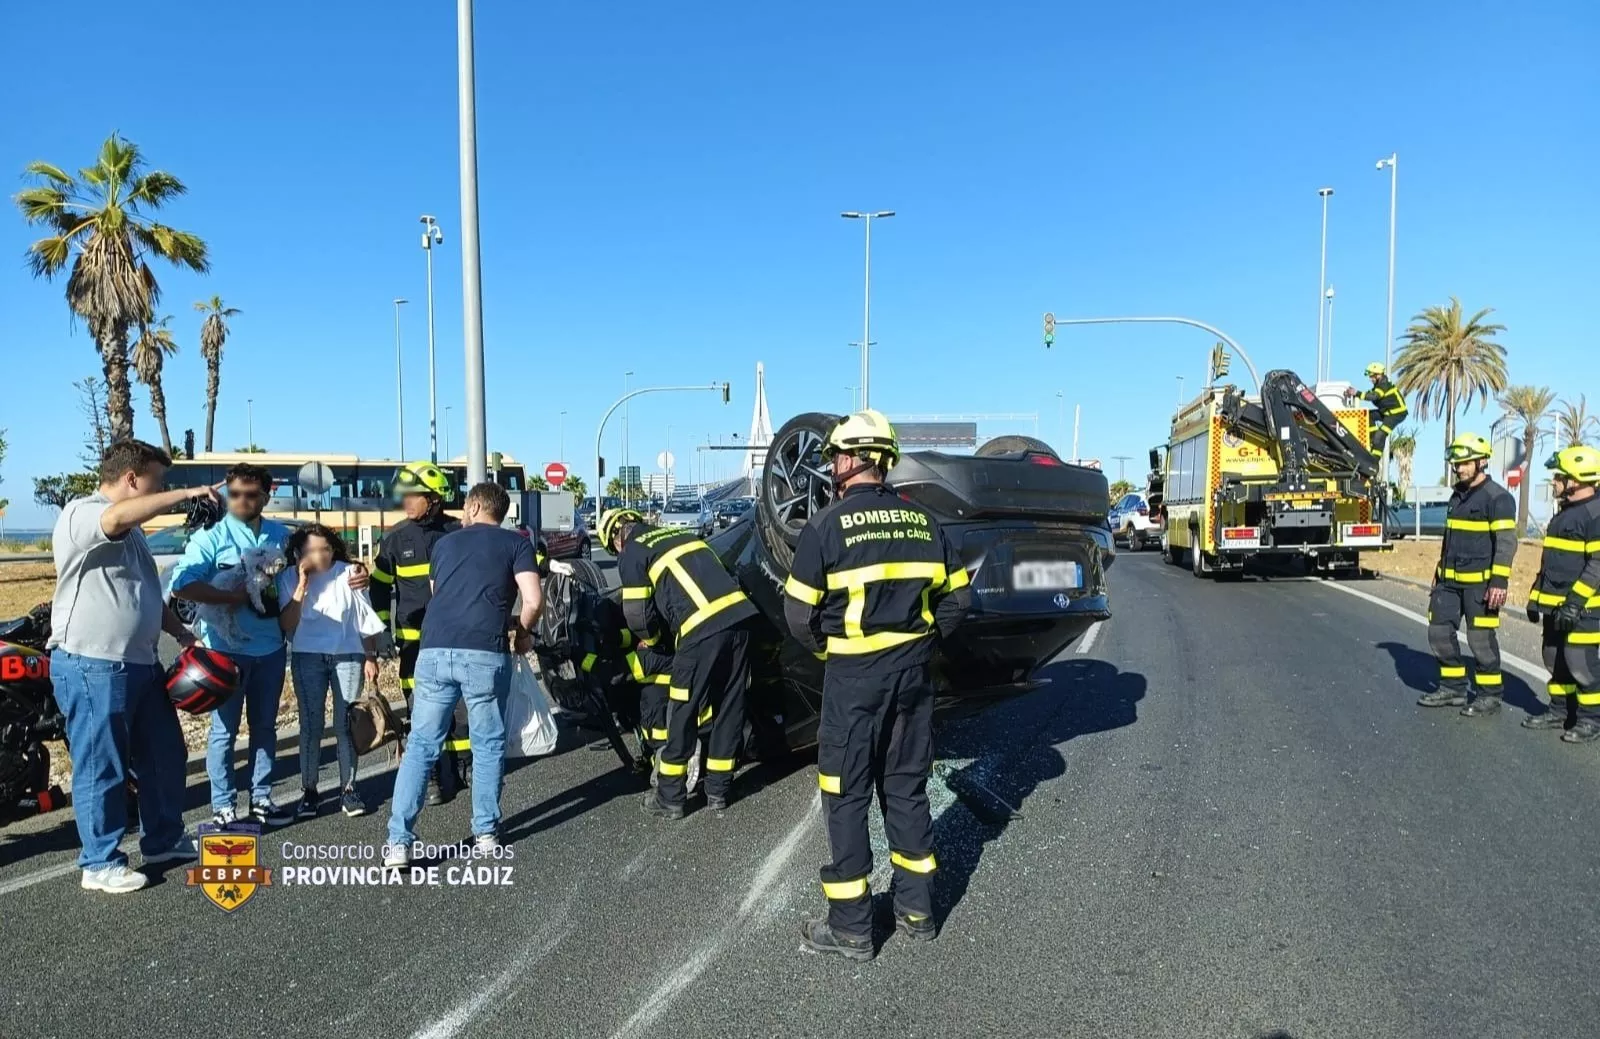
(1044, 460)
(1365, 530)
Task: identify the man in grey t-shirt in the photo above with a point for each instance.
(104, 624)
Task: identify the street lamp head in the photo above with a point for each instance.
(886, 212)
(1330, 292)
(851, 215)
(397, 302)
(1324, 192)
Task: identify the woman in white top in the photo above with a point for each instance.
(333, 630)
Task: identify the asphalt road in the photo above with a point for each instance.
(1234, 821)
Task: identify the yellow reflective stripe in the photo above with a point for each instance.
(681, 695)
(798, 589)
(670, 561)
(381, 576)
(1490, 679)
(923, 865)
(635, 667)
(1548, 598)
(658, 734)
(845, 890)
(1584, 638)
(873, 643)
(1449, 671)
(627, 638)
(1465, 576)
(1500, 570)
(709, 610)
(1565, 544)
(636, 592)
(383, 615)
(408, 634)
(1486, 622)
(589, 661)
(1478, 526)
(659, 680)
(958, 579)
(927, 610)
(706, 714)
(1561, 688)
(861, 575)
(458, 744)
(719, 764)
(408, 683)
(1589, 699)
(828, 784)
(1583, 588)
(672, 768)
(413, 570)
(1503, 524)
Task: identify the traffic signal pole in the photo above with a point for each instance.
(1051, 321)
(599, 462)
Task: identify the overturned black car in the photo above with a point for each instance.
(1031, 528)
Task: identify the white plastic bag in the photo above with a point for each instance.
(530, 730)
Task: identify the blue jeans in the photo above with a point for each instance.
(443, 677)
(119, 720)
(260, 688)
(314, 674)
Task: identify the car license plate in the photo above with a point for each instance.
(1039, 577)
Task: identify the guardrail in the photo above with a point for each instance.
(26, 557)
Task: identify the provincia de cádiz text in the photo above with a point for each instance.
(361, 865)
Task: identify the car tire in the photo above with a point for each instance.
(1013, 444)
(798, 483)
(586, 573)
(1135, 541)
(584, 550)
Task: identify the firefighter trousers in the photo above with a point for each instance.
(876, 733)
(1573, 659)
(1450, 606)
(653, 714)
(706, 696)
(455, 757)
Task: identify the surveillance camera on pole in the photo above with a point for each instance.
(431, 236)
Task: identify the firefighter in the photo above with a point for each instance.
(1388, 402)
(401, 588)
(1567, 595)
(1469, 585)
(644, 665)
(874, 581)
(674, 585)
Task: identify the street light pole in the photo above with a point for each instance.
(1393, 162)
(563, 455)
(471, 259)
(1061, 416)
(431, 236)
(1329, 295)
(1077, 413)
(1180, 390)
(447, 409)
(627, 430)
(623, 400)
(866, 305)
(1322, 278)
(399, 385)
(250, 422)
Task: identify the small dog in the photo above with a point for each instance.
(257, 574)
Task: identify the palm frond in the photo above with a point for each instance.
(48, 172)
(155, 189)
(47, 256)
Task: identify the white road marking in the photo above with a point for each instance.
(1089, 636)
(1527, 667)
(549, 937)
(685, 974)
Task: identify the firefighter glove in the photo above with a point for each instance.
(1566, 617)
(1533, 612)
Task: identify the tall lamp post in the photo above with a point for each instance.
(866, 306)
(250, 423)
(471, 259)
(447, 410)
(1322, 278)
(1329, 358)
(627, 413)
(399, 384)
(431, 236)
(1393, 162)
(563, 455)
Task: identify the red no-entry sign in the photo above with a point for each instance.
(555, 474)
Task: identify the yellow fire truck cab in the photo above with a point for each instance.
(1276, 474)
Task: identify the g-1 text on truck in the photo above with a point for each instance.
(1281, 474)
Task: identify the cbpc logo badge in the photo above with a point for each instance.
(229, 872)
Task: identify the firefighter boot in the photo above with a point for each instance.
(1583, 730)
(817, 936)
(1554, 716)
(915, 926)
(653, 806)
(1443, 696)
(1482, 706)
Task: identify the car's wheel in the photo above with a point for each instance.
(1014, 444)
(1167, 555)
(587, 574)
(1197, 558)
(798, 483)
(1135, 541)
(584, 551)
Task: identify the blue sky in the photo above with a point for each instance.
(660, 189)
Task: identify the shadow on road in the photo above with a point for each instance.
(1084, 697)
(1420, 671)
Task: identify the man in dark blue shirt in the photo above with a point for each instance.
(478, 572)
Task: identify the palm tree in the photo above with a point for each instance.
(1446, 361)
(1403, 448)
(1574, 424)
(576, 487)
(154, 346)
(99, 223)
(1525, 408)
(213, 333)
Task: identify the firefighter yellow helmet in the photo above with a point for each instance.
(866, 433)
(1580, 463)
(423, 478)
(1376, 369)
(1468, 447)
(614, 518)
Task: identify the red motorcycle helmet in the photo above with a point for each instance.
(201, 680)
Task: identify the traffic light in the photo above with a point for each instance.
(725, 393)
(1049, 330)
(1219, 362)
(601, 466)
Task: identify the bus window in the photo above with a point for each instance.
(511, 478)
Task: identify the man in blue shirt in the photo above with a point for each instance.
(477, 572)
(253, 640)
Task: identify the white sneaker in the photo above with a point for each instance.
(397, 857)
(113, 880)
(485, 844)
(184, 850)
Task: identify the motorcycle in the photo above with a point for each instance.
(29, 717)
